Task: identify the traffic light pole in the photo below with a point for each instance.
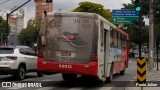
(7, 16)
(140, 31)
(151, 39)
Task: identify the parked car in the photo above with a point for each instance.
(17, 61)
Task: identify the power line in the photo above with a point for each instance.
(4, 2)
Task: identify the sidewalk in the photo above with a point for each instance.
(153, 76)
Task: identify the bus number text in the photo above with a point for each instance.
(65, 66)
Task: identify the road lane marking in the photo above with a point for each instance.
(15, 88)
(45, 88)
(105, 88)
(76, 88)
(47, 80)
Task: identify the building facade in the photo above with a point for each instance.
(16, 22)
(40, 7)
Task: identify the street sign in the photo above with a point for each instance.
(124, 20)
(125, 16)
(125, 12)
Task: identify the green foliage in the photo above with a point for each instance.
(26, 36)
(3, 24)
(145, 6)
(133, 33)
(93, 8)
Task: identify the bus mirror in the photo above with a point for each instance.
(43, 38)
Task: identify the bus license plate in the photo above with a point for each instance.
(65, 53)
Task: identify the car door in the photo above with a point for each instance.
(25, 58)
(32, 58)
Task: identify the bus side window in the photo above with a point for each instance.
(102, 34)
(111, 38)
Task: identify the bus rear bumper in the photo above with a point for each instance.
(61, 67)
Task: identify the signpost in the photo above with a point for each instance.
(124, 16)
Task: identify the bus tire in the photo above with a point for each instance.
(110, 78)
(69, 77)
(123, 71)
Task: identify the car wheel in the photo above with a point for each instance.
(40, 74)
(21, 72)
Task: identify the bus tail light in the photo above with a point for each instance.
(11, 57)
(94, 57)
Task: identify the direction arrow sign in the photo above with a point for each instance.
(124, 20)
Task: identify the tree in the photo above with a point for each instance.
(145, 6)
(133, 33)
(26, 36)
(3, 24)
(93, 8)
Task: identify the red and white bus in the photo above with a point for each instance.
(77, 43)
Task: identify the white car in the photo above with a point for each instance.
(17, 61)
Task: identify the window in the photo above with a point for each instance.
(6, 50)
(112, 38)
(102, 34)
(115, 38)
(23, 51)
(123, 41)
(31, 52)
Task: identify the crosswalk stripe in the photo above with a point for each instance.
(105, 88)
(76, 88)
(15, 88)
(45, 88)
(47, 80)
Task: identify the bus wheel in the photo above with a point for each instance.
(69, 77)
(110, 78)
(123, 71)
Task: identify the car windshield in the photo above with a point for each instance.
(6, 50)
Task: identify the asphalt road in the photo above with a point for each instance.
(55, 82)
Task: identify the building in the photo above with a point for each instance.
(17, 22)
(42, 6)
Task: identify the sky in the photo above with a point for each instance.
(64, 5)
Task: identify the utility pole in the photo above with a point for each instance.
(7, 16)
(151, 37)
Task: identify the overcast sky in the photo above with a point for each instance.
(65, 5)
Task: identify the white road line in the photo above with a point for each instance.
(76, 88)
(50, 80)
(45, 88)
(105, 88)
(15, 88)
(47, 80)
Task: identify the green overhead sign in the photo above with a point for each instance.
(124, 20)
(124, 16)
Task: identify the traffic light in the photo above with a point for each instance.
(137, 5)
(48, 1)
